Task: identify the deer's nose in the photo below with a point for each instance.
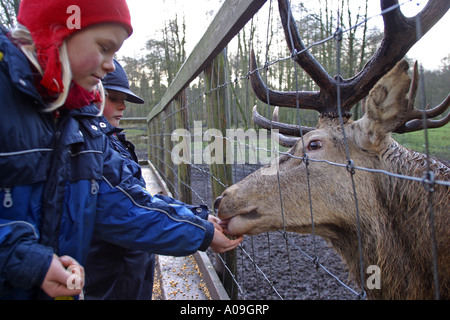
(217, 203)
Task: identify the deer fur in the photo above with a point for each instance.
(394, 214)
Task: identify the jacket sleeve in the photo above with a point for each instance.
(199, 210)
(128, 215)
(23, 261)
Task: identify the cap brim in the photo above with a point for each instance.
(131, 97)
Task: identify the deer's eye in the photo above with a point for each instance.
(315, 145)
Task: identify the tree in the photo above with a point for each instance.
(8, 12)
(174, 41)
(151, 74)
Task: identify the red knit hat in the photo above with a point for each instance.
(50, 22)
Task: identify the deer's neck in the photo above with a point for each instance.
(395, 237)
(399, 159)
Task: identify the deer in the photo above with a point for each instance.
(399, 225)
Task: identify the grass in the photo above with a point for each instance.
(133, 133)
(438, 141)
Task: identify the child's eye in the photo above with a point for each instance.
(104, 48)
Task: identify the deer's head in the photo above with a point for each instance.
(304, 175)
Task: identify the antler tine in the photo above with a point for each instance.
(283, 128)
(438, 110)
(285, 141)
(414, 117)
(416, 123)
(400, 34)
(307, 99)
(300, 54)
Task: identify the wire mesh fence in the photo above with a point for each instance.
(205, 140)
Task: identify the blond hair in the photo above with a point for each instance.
(22, 34)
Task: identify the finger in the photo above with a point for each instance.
(216, 222)
(233, 243)
(237, 241)
(73, 267)
(67, 261)
(218, 227)
(212, 218)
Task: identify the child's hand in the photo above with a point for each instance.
(222, 243)
(59, 282)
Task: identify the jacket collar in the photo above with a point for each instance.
(107, 128)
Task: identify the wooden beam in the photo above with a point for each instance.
(184, 169)
(231, 18)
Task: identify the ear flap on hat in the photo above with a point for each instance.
(50, 62)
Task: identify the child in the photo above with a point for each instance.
(60, 180)
(33, 82)
(114, 272)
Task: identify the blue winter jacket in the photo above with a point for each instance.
(26, 145)
(61, 184)
(113, 272)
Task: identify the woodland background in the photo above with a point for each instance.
(162, 56)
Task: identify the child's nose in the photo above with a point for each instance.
(108, 66)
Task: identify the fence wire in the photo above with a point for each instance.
(275, 265)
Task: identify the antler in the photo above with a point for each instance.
(306, 99)
(283, 128)
(292, 131)
(413, 120)
(400, 34)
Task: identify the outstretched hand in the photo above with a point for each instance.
(221, 243)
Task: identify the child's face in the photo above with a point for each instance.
(114, 106)
(91, 53)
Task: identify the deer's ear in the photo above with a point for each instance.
(386, 106)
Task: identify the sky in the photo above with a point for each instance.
(148, 18)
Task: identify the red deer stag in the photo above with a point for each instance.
(394, 215)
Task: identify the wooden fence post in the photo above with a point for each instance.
(151, 141)
(160, 142)
(184, 169)
(168, 147)
(215, 75)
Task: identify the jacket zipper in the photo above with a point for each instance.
(94, 187)
(7, 200)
